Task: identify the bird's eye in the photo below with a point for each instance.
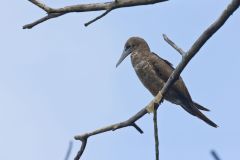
(127, 47)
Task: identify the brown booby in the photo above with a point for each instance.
(153, 72)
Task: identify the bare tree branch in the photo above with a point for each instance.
(156, 134)
(173, 45)
(43, 19)
(196, 47)
(174, 76)
(98, 17)
(137, 128)
(215, 156)
(107, 6)
(41, 5)
(69, 150)
(80, 152)
(130, 122)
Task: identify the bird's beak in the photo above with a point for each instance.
(125, 53)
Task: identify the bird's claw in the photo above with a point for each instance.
(155, 102)
(150, 107)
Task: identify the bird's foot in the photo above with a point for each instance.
(154, 103)
(150, 107)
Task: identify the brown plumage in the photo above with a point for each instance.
(153, 71)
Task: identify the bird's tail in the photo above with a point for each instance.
(193, 108)
(200, 115)
(207, 120)
(200, 107)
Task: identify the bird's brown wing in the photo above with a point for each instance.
(164, 69)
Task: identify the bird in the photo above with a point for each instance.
(153, 71)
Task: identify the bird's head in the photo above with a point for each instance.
(133, 45)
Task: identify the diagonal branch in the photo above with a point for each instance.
(137, 128)
(98, 17)
(107, 6)
(173, 45)
(80, 152)
(41, 20)
(130, 122)
(41, 5)
(70, 146)
(174, 76)
(215, 156)
(233, 6)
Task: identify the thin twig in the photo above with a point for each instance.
(185, 60)
(215, 156)
(169, 41)
(80, 152)
(98, 17)
(69, 150)
(156, 134)
(137, 128)
(43, 19)
(41, 5)
(130, 122)
(107, 6)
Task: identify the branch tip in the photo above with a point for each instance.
(70, 146)
(41, 20)
(137, 128)
(171, 43)
(98, 17)
(215, 155)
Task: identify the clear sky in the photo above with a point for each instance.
(59, 79)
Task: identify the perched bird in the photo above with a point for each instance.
(153, 71)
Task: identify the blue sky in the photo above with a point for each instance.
(59, 80)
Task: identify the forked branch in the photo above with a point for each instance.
(186, 57)
(107, 6)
